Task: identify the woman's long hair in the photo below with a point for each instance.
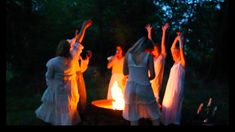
(141, 45)
(63, 49)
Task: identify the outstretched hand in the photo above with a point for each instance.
(180, 36)
(88, 54)
(165, 27)
(148, 27)
(88, 23)
(178, 33)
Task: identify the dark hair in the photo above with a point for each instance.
(63, 49)
(149, 44)
(122, 47)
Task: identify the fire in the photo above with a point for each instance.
(118, 99)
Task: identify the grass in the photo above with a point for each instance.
(219, 95)
(24, 99)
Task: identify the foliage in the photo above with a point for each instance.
(34, 28)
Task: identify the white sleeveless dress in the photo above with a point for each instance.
(139, 98)
(173, 97)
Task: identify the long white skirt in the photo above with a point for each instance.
(59, 103)
(173, 97)
(139, 102)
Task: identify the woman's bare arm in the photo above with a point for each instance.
(182, 56)
(81, 34)
(163, 44)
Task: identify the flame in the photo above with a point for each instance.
(117, 95)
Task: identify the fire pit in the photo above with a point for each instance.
(104, 108)
(111, 108)
(117, 101)
(106, 104)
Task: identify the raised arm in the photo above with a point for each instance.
(149, 30)
(181, 43)
(73, 40)
(81, 34)
(77, 48)
(174, 43)
(163, 44)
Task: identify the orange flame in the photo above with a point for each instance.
(118, 99)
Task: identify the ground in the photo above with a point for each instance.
(23, 99)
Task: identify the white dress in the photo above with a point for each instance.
(60, 99)
(117, 75)
(81, 68)
(173, 97)
(139, 98)
(156, 83)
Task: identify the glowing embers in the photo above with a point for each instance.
(104, 103)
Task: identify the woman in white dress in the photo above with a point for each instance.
(81, 65)
(116, 63)
(60, 99)
(159, 54)
(174, 93)
(139, 98)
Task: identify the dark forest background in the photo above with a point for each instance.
(35, 27)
